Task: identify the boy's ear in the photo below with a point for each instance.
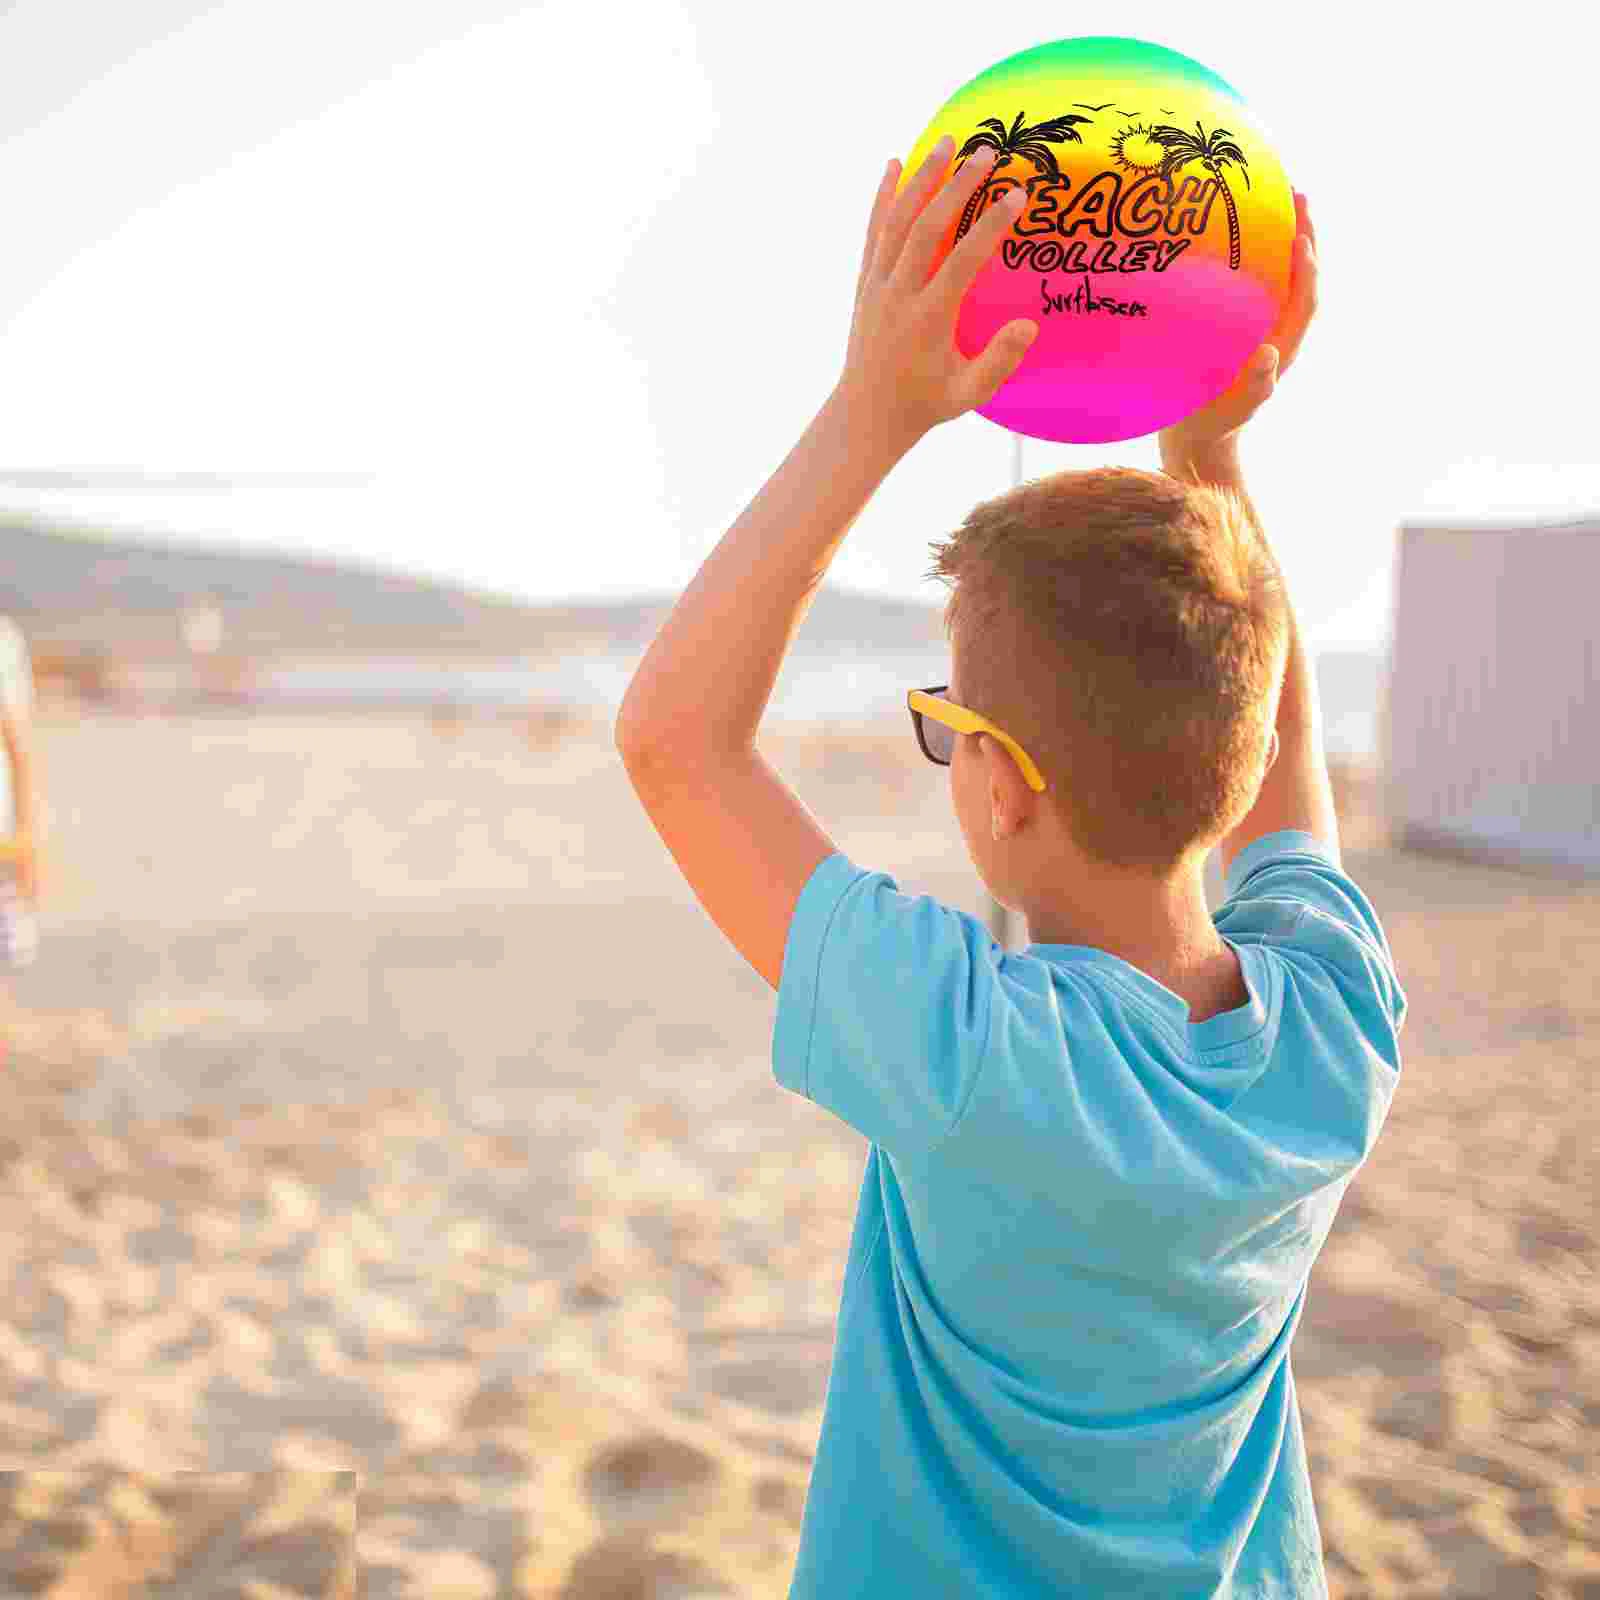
(1272, 752)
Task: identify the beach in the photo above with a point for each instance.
(398, 1200)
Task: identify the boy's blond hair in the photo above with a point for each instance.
(1130, 631)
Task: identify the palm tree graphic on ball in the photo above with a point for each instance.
(1032, 144)
(1213, 151)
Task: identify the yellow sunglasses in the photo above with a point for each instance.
(938, 720)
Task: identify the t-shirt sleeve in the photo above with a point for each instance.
(884, 1006)
(1290, 889)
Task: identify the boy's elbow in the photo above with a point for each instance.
(627, 736)
(646, 744)
(639, 754)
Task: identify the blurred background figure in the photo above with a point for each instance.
(19, 810)
(202, 628)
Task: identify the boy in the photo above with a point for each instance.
(1100, 1168)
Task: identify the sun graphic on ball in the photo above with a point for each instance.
(1135, 150)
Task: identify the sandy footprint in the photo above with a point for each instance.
(649, 1477)
(629, 1566)
(782, 1498)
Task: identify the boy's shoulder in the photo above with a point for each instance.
(1291, 890)
(900, 1013)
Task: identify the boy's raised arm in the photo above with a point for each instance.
(1296, 792)
(688, 724)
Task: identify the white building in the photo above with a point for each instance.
(1493, 721)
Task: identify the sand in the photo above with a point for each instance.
(357, 1219)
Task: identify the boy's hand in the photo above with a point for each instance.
(28, 873)
(902, 367)
(1215, 425)
(20, 852)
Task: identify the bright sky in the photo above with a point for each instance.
(570, 280)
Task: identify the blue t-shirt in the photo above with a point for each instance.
(1082, 1243)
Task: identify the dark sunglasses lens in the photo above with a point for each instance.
(938, 737)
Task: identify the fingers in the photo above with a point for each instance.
(880, 208)
(908, 205)
(1302, 302)
(915, 265)
(1302, 218)
(967, 260)
(996, 362)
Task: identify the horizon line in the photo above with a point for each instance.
(135, 478)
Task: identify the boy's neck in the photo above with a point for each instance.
(1162, 926)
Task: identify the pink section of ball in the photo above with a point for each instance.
(1094, 376)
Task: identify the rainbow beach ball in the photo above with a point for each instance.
(1154, 247)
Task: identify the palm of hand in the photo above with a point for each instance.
(1214, 424)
